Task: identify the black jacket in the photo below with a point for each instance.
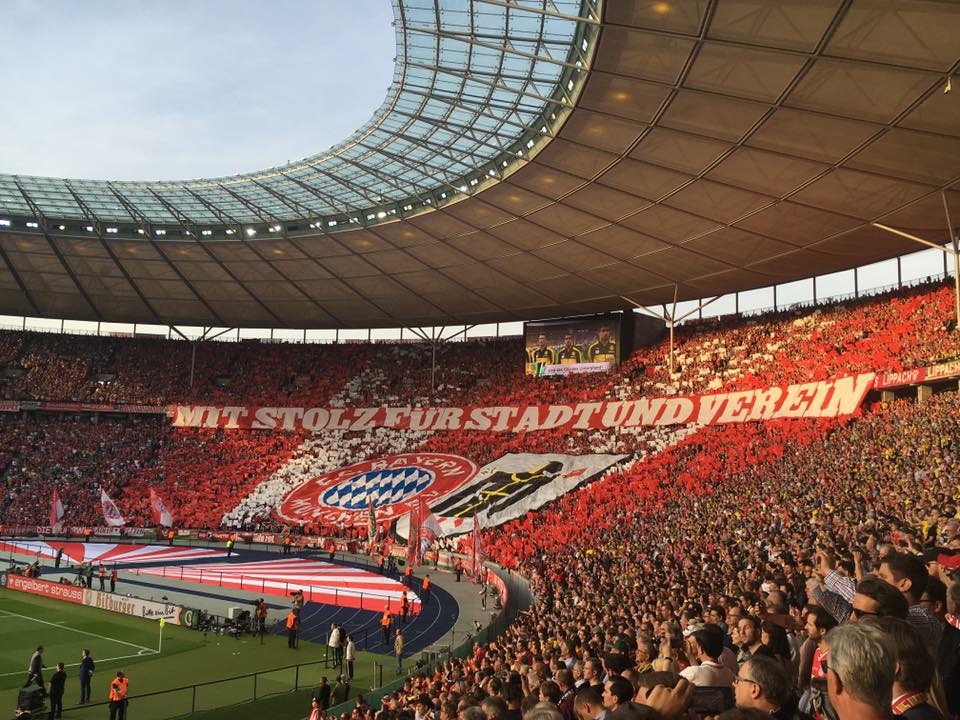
(57, 683)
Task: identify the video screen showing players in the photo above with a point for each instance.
(572, 345)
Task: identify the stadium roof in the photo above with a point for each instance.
(536, 158)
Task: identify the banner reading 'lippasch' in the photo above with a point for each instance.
(827, 398)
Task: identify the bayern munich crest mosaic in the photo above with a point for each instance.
(392, 483)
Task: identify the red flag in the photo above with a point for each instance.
(477, 544)
(56, 511)
(371, 528)
(413, 537)
(161, 516)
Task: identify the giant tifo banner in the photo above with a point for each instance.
(393, 483)
(827, 398)
(511, 486)
(451, 486)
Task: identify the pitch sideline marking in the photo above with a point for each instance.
(82, 632)
(142, 653)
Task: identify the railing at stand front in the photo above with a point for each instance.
(191, 699)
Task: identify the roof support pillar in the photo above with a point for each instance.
(433, 364)
(435, 339)
(955, 246)
(952, 250)
(193, 360)
(222, 332)
(671, 318)
(673, 322)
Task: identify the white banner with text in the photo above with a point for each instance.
(826, 398)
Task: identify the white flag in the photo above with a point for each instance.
(429, 530)
(161, 516)
(111, 514)
(56, 512)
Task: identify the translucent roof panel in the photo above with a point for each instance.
(474, 80)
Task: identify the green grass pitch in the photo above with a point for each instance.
(188, 657)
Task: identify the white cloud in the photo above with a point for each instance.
(121, 89)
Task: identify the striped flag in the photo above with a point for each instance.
(429, 528)
(413, 537)
(111, 514)
(371, 527)
(56, 511)
(161, 516)
(478, 555)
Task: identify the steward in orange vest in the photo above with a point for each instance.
(118, 697)
(385, 623)
(292, 623)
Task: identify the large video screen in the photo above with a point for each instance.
(572, 345)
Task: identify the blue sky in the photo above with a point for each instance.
(136, 90)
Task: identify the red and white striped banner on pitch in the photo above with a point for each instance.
(320, 581)
(81, 552)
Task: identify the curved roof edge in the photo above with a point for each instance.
(477, 91)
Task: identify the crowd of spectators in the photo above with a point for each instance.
(77, 455)
(732, 548)
(201, 472)
(212, 477)
(903, 329)
(719, 569)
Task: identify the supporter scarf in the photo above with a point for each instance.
(953, 620)
(907, 701)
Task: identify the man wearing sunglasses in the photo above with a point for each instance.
(876, 598)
